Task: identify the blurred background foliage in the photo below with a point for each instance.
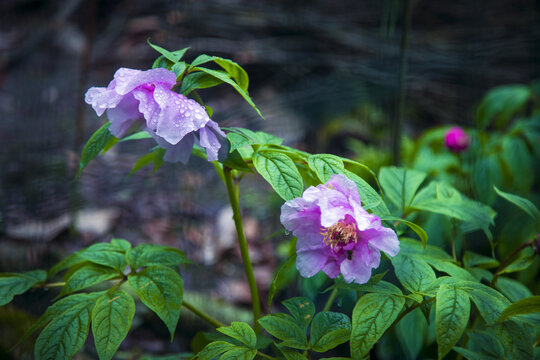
(325, 75)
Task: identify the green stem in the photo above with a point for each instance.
(202, 314)
(507, 260)
(50, 285)
(330, 300)
(233, 199)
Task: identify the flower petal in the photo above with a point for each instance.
(129, 79)
(102, 99)
(310, 262)
(181, 151)
(356, 269)
(123, 116)
(302, 218)
(178, 116)
(345, 186)
(209, 141)
(383, 239)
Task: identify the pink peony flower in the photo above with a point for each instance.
(456, 139)
(173, 120)
(335, 234)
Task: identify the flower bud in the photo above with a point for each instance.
(456, 139)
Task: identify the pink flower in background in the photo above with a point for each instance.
(335, 234)
(537, 247)
(456, 139)
(173, 120)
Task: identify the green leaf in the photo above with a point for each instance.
(151, 254)
(214, 349)
(471, 259)
(400, 185)
(519, 264)
(325, 165)
(111, 319)
(412, 341)
(512, 289)
(290, 354)
(285, 328)
(239, 353)
(302, 309)
(486, 173)
(281, 279)
(413, 272)
(94, 145)
(179, 69)
(416, 228)
(372, 315)
(12, 284)
(232, 68)
(280, 172)
(381, 287)
(516, 338)
(518, 159)
(241, 332)
(485, 344)
(73, 259)
(238, 141)
(370, 198)
(225, 77)
(490, 302)
(468, 354)
(441, 198)
(235, 161)
(154, 157)
(328, 330)
(161, 289)
(113, 259)
(198, 80)
(120, 244)
(524, 204)
(524, 306)
(58, 308)
(89, 275)
(451, 317)
(173, 56)
(501, 104)
(451, 269)
(137, 136)
(65, 334)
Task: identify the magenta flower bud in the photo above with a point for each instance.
(537, 248)
(456, 139)
(335, 233)
(145, 97)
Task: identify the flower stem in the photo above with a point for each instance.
(233, 198)
(408, 310)
(202, 314)
(330, 300)
(507, 260)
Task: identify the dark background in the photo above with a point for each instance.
(311, 63)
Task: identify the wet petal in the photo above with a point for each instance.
(129, 79)
(355, 270)
(123, 116)
(181, 151)
(178, 116)
(102, 99)
(209, 141)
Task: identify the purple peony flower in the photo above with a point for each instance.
(173, 120)
(335, 234)
(456, 139)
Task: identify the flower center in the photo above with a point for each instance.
(340, 234)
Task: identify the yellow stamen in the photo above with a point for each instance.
(340, 234)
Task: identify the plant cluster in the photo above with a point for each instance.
(363, 233)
